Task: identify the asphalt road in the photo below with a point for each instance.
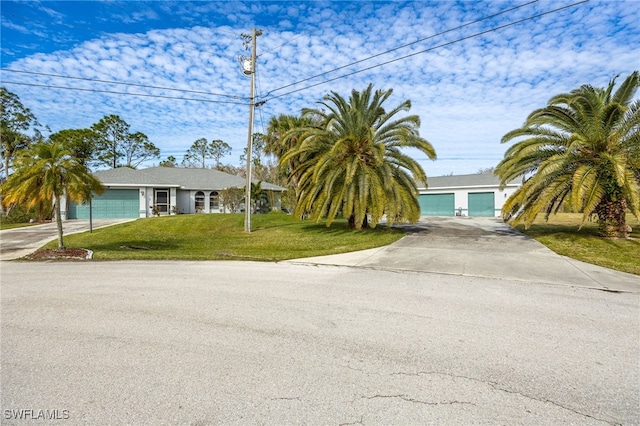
(261, 343)
(461, 322)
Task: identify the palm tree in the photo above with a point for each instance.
(259, 198)
(583, 147)
(283, 135)
(44, 173)
(352, 161)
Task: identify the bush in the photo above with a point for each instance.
(18, 214)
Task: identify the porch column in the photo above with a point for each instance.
(144, 206)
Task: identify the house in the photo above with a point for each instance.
(133, 193)
(464, 195)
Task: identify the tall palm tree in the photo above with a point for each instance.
(283, 134)
(45, 173)
(584, 146)
(352, 162)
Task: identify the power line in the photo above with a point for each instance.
(285, 43)
(122, 83)
(424, 51)
(259, 104)
(111, 92)
(403, 46)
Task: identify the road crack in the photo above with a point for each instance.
(286, 398)
(495, 386)
(357, 422)
(548, 401)
(413, 400)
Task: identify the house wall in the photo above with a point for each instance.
(187, 202)
(173, 199)
(183, 201)
(146, 201)
(461, 196)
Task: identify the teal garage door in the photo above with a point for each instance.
(482, 204)
(437, 204)
(112, 204)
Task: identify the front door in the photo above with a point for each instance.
(162, 201)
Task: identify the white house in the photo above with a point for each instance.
(464, 195)
(132, 193)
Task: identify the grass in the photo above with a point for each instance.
(561, 235)
(5, 225)
(275, 236)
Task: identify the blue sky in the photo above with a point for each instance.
(469, 85)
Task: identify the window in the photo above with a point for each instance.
(199, 201)
(162, 200)
(213, 200)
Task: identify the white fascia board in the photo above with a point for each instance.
(463, 187)
(138, 185)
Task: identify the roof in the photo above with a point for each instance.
(181, 177)
(457, 181)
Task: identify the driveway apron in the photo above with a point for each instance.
(19, 242)
(484, 247)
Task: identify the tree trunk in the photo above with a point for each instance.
(352, 222)
(6, 165)
(612, 220)
(59, 222)
(6, 176)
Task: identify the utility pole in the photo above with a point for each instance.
(250, 69)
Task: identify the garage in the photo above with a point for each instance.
(437, 204)
(112, 204)
(482, 204)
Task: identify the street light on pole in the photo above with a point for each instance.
(249, 68)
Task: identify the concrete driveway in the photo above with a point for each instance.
(19, 242)
(481, 247)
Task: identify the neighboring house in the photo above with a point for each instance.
(133, 193)
(465, 195)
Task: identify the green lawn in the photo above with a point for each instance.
(561, 235)
(275, 236)
(5, 225)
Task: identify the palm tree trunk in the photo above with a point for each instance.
(59, 222)
(293, 179)
(7, 154)
(6, 176)
(612, 220)
(352, 222)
